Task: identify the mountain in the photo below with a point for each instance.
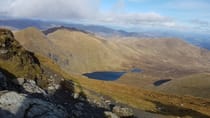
(160, 59)
(167, 53)
(151, 53)
(164, 59)
(51, 30)
(34, 40)
(44, 25)
(86, 52)
(143, 49)
(32, 85)
(25, 23)
(74, 50)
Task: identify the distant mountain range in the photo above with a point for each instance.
(201, 40)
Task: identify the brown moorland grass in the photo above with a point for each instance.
(160, 103)
(196, 85)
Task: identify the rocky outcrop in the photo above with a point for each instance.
(25, 104)
(123, 112)
(18, 61)
(53, 80)
(33, 101)
(20, 106)
(110, 114)
(113, 110)
(31, 87)
(22, 64)
(19, 81)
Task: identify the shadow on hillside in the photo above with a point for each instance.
(160, 82)
(79, 108)
(35, 59)
(8, 83)
(170, 110)
(64, 97)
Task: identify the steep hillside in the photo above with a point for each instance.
(168, 53)
(73, 50)
(35, 41)
(15, 59)
(164, 59)
(86, 53)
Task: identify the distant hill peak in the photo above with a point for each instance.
(51, 30)
(32, 30)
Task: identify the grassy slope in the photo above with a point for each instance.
(31, 37)
(163, 54)
(86, 52)
(196, 85)
(34, 40)
(187, 66)
(72, 50)
(164, 59)
(139, 98)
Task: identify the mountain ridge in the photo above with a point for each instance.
(198, 39)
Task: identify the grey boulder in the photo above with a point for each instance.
(14, 105)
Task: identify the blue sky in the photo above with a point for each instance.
(181, 9)
(192, 15)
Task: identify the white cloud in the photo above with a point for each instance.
(56, 9)
(152, 18)
(4, 5)
(88, 10)
(80, 9)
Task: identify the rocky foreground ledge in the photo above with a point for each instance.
(14, 105)
(29, 90)
(31, 101)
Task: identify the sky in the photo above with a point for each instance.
(134, 15)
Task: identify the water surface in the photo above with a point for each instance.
(109, 75)
(136, 70)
